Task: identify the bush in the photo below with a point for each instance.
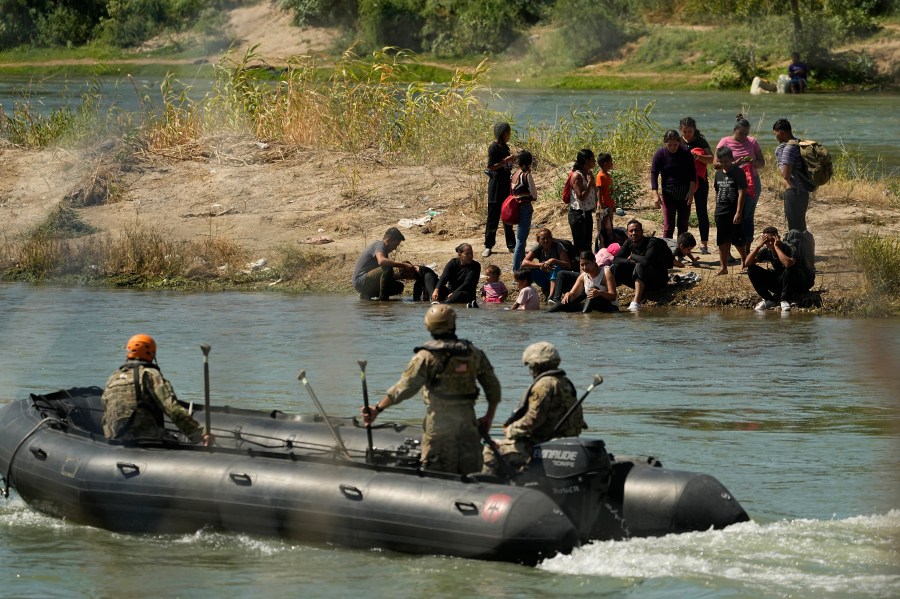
(725, 76)
(342, 13)
(878, 259)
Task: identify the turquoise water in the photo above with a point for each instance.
(797, 416)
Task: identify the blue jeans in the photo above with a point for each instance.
(749, 211)
(526, 210)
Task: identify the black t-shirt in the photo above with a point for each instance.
(727, 186)
(770, 256)
(498, 186)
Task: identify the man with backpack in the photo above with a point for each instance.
(789, 274)
(794, 175)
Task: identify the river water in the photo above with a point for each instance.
(865, 123)
(798, 416)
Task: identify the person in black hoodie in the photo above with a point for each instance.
(459, 281)
(499, 167)
(642, 263)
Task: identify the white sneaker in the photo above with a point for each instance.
(785, 306)
(486, 252)
(765, 305)
(634, 307)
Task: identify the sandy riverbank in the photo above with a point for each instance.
(270, 198)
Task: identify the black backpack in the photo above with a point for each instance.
(803, 245)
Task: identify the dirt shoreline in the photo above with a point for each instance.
(269, 199)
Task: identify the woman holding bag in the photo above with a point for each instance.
(523, 188)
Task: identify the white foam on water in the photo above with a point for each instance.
(855, 556)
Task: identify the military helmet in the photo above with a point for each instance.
(440, 318)
(141, 347)
(541, 353)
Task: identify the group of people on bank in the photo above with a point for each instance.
(563, 270)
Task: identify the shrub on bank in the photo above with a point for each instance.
(878, 258)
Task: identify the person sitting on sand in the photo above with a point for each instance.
(731, 189)
(493, 291)
(797, 71)
(642, 263)
(374, 276)
(459, 280)
(527, 299)
(593, 290)
(545, 260)
(786, 278)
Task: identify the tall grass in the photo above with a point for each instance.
(27, 127)
(878, 258)
(362, 106)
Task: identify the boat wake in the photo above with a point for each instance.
(855, 556)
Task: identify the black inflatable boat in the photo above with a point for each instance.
(272, 473)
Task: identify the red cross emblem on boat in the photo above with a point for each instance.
(495, 507)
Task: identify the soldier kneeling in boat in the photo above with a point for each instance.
(448, 368)
(543, 405)
(137, 397)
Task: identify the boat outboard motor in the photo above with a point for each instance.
(575, 473)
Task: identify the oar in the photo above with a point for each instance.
(370, 455)
(597, 380)
(205, 348)
(337, 438)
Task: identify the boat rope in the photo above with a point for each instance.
(6, 479)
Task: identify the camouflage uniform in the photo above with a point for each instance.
(543, 405)
(157, 399)
(448, 370)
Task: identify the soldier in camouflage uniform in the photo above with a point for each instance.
(543, 405)
(448, 368)
(137, 397)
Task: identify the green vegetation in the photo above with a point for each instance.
(878, 258)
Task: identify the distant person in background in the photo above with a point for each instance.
(749, 156)
(499, 165)
(584, 200)
(459, 281)
(790, 166)
(523, 179)
(798, 72)
(605, 204)
(699, 147)
(673, 180)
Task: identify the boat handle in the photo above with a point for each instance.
(241, 478)
(38, 453)
(466, 508)
(351, 492)
(128, 469)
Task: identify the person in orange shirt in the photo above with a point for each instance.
(606, 204)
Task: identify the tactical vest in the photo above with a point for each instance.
(523, 403)
(125, 396)
(455, 377)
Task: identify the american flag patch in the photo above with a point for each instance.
(461, 367)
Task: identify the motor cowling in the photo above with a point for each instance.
(575, 473)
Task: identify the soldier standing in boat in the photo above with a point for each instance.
(543, 405)
(137, 398)
(448, 368)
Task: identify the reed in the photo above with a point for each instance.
(878, 258)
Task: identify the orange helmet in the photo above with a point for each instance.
(141, 347)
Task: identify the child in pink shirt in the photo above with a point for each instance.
(493, 291)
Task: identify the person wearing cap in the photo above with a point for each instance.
(374, 276)
(137, 398)
(450, 369)
(542, 407)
